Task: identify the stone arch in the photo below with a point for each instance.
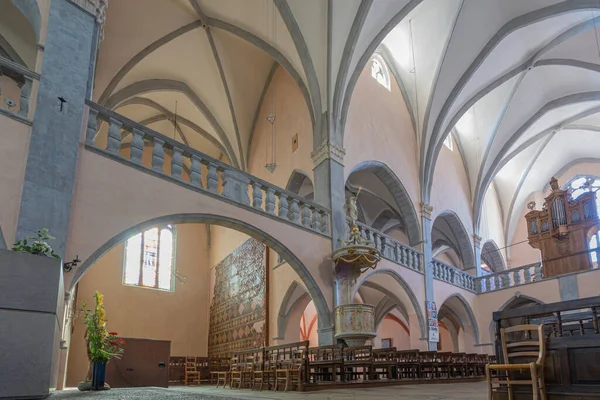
(297, 180)
(463, 242)
(492, 256)
(516, 301)
(414, 301)
(459, 309)
(399, 193)
(296, 298)
(315, 293)
(31, 11)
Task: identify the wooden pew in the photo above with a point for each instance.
(325, 363)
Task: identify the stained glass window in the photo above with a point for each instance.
(149, 259)
(578, 186)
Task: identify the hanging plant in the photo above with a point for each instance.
(36, 245)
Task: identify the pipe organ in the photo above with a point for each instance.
(561, 230)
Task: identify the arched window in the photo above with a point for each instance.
(593, 245)
(448, 142)
(149, 259)
(379, 71)
(581, 184)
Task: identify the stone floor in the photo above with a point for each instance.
(449, 391)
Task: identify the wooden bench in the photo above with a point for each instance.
(384, 363)
(325, 363)
(358, 360)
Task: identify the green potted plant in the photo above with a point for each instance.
(101, 345)
(36, 245)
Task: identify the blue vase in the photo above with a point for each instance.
(98, 375)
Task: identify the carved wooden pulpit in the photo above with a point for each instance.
(561, 230)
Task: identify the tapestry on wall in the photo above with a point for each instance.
(238, 309)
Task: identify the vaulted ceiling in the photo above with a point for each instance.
(516, 81)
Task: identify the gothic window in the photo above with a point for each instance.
(583, 184)
(149, 259)
(593, 245)
(449, 143)
(379, 71)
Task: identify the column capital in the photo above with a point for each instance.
(477, 240)
(426, 210)
(328, 150)
(97, 8)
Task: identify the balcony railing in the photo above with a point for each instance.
(447, 273)
(16, 82)
(392, 249)
(512, 277)
(199, 171)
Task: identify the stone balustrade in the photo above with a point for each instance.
(510, 278)
(392, 249)
(16, 82)
(447, 273)
(150, 150)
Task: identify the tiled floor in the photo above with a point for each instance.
(449, 391)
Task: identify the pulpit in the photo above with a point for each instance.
(561, 230)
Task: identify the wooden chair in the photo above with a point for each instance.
(264, 372)
(290, 372)
(191, 371)
(407, 364)
(428, 364)
(235, 373)
(224, 373)
(445, 365)
(516, 354)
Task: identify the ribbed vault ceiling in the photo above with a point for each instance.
(516, 81)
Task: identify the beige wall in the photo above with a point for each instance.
(379, 128)
(14, 147)
(292, 117)
(492, 226)
(180, 316)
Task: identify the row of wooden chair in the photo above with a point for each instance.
(327, 363)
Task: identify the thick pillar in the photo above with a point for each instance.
(426, 211)
(330, 193)
(71, 42)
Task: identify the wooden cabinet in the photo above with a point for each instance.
(145, 362)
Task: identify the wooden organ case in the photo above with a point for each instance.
(561, 230)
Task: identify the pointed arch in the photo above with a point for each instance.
(457, 307)
(462, 240)
(296, 297)
(297, 180)
(517, 300)
(490, 253)
(414, 301)
(401, 197)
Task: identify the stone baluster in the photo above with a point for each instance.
(92, 127)
(294, 211)
(270, 204)
(25, 95)
(404, 256)
(196, 171)
(477, 285)
(158, 155)
(497, 282)
(537, 272)
(306, 211)
(316, 220)
(517, 277)
(527, 274)
(398, 251)
(436, 270)
(113, 144)
(257, 195)
(137, 145)
(419, 266)
(177, 163)
(505, 279)
(283, 211)
(377, 238)
(324, 222)
(212, 177)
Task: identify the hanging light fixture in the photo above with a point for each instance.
(270, 127)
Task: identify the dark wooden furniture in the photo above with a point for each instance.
(192, 372)
(384, 363)
(176, 370)
(145, 362)
(407, 362)
(358, 361)
(428, 364)
(289, 372)
(571, 368)
(325, 363)
(521, 353)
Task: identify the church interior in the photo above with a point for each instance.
(208, 199)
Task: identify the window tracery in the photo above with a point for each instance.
(380, 72)
(149, 259)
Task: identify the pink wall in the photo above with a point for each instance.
(450, 189)
(379, 128)
(14, 137)
(446, 343)
(180, 316)
(388, 328)
(292, 118)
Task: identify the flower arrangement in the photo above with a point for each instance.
(101, 344)
(38, 245)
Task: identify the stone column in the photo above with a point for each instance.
(329, 192)
(426, 211)
(71, 44)
(477, 248)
